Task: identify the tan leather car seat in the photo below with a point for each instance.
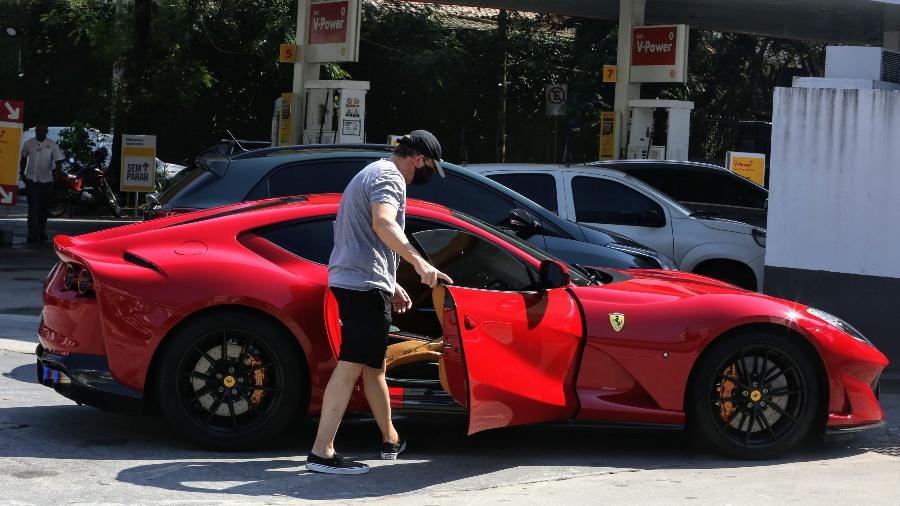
(408, 352)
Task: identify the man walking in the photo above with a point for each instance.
(368, 237)
(39, 155)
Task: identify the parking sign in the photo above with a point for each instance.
(556, 95)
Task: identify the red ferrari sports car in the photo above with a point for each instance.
(222, 320)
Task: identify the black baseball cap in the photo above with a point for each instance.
(426, 144)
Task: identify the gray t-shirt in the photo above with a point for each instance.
(359, 259)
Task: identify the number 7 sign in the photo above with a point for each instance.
(609, 73)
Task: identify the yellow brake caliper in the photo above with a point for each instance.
(725, 390)
(259, 378)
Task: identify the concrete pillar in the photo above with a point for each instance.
(631, 14)
(302, 71)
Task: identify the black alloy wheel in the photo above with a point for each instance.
(231, 382)
(754, 396)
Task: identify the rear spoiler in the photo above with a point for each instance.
(216, 165)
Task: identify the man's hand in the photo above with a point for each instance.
(400, 301)
(429, 275)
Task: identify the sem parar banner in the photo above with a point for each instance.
(138, 163)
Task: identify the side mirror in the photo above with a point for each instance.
(152, 198)
(523, 220)
(553, 275)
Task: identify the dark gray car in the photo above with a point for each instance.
(701, 187)
(276, 172)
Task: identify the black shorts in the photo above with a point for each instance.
(365, 320)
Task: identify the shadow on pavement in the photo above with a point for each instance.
(439, 454)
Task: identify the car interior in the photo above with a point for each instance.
(413, 357)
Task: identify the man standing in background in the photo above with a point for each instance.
(39, 157)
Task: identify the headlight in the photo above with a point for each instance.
(663, 261)
(839, 324)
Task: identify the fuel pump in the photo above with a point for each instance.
(660, 129)
(335, 113)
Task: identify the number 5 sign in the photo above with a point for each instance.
(288, 53)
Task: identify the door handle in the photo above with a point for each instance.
(469, 323)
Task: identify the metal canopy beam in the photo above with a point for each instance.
(861, 22)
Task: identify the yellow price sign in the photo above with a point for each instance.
(609, 73)
(608, 135)
(287, 53)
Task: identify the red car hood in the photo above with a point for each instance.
(694, 283)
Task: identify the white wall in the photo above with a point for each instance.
(834, 202)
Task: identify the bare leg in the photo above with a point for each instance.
(334, 403)
(380, 402)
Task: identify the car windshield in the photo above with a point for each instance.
(579, 275)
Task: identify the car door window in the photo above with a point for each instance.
(322, 176)
(458, 192)
(707, 187)
(474, 262)
(599, 200)
(540, 188)
(309, 239)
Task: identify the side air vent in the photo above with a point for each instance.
(136, 260)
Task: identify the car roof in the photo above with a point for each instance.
(303, 151)
(512, 165)
(647, 164)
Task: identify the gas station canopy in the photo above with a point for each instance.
(856, 22)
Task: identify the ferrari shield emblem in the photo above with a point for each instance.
(617, 320)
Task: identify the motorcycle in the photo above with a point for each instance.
(83, 187)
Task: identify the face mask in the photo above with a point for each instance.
(422, 175)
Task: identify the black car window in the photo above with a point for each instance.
(727, 189)
(192, 182)
(309, 239)
(702, 186)
(599, 200)
(474, 262)
(458, 192)
(540, 188)
(320, 176)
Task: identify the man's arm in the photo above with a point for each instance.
(22, 164)
(384, 222)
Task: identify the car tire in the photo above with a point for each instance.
(240, 402)
(754, 395)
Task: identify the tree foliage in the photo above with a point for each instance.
(186, 70)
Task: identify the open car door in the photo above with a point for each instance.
(510, 353)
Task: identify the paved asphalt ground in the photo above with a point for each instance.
(53, 451)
